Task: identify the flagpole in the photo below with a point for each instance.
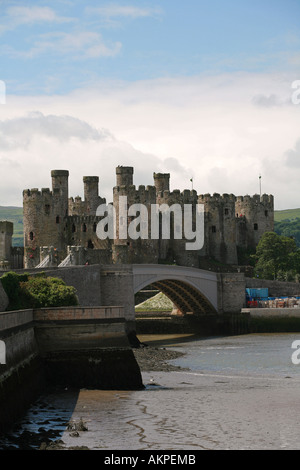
(260, 185)
(192, 183)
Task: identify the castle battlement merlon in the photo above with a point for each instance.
(256, 199)
(216, 198)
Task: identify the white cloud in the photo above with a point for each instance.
(205, 127)
(21, 15)
(117, 11)
(293, 156)
(19, 132)
(77, 45)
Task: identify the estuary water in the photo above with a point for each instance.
(239, 392)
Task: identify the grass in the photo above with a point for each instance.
(158, 302)
(287, 214)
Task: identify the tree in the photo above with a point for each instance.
(276, 255)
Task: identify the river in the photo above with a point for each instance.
(238, 392)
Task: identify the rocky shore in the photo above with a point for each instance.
(151, 358)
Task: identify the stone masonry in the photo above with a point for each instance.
(61, 225)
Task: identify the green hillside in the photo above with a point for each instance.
(287, 214)
(287, 224)
(15, 215)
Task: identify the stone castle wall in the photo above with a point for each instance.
(52, 218)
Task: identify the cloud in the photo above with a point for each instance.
(20, 132)
(119, 11)
(266, 101)
(77, 46)
(202, 127)
(22, 15)
(293, 156)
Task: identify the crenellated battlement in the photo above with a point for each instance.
(266, 199)
(216, 199)
(136, 195)
(52, 218)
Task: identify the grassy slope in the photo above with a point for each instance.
(289, 214)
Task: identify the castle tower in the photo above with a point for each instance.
(6, 232)
(126, 249)
(161, 181)
(91, 194)
(44, 217)
(220, 228)
(257, 213)
(60, 188)
(124, 175)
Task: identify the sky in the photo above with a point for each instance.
(208, 90)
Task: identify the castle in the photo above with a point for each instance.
(61, 230)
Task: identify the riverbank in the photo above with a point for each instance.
(155, 359)
(238, 393)
(149, 358)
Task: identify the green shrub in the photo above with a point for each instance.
(11, 284)
(25, 291)
(49, 292)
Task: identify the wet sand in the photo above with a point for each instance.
(181, 409)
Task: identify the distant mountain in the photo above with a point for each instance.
(15, 215)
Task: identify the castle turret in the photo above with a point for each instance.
(124, 175)
(6, 232)
(91, 193)
(161, 181)
(257, 215)
(60, 189)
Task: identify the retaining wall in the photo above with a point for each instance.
(21, 377)
(276, 288)
(72, 346)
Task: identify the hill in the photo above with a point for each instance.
(287, 214)
(287, 223)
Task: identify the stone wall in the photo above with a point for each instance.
(21, 377)
(117, 289)
(276, 288)
(76, 347)
(51, 218)
(231, 292)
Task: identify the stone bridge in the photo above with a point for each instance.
(192, 290)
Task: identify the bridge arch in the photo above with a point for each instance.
(191, 290)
